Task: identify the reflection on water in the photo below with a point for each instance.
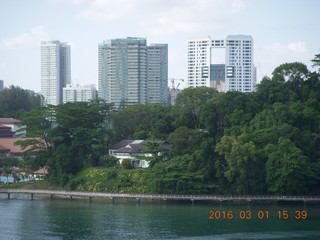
(78, 219)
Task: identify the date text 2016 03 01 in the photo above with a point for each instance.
(246, 215)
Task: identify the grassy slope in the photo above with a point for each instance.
(113, 180)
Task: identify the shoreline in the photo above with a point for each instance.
(166, 198)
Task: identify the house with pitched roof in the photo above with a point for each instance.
(5, 131)
(130, 149)
(8, 147)
(9, 127)
(4, 151)
(40, 173)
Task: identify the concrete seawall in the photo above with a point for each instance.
(163, 197)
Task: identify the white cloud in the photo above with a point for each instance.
(98, 16)
(106, 10)
(3, 65)
(25, 40)
(275, 48)
(297, 47)
(197, 16)
(289, 48)
(278, 53)
(164, 17)
(67, 1)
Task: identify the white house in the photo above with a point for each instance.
(129, 149)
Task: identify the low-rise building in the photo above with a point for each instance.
(131, 149)
(9, 127)
(4, 151)
(8, 147)
(40, 174)
(5, 131)
(79, 93)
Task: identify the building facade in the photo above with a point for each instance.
(1, 85)
(218, 76)
(132, 149)
(55, 70)
(173, 93)
(9, 127)
(157, 74)
(199, 60)
(233, 72)
(240, 71)
(130, 72)
(79, 93)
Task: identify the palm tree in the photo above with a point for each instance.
(16, 178)
(316, 61)
(7, 171)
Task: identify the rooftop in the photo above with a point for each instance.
(136, 146)
(8, 143)
(9, 121)
(43, 170)
(4, 149)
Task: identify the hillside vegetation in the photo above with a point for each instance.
(266, 142)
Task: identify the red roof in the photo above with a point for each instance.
(4, 127)
(6, 133)
(9, 121)
(20, 169)
(43, 170)
(4, 149)
(9, 144)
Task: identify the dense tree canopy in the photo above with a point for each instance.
(266, 142)
(191, 101)
(15, 100)
(73, 136)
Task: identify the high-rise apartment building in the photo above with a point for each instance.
(130, 72)
(79, 93)
(55, 70)
(1, 85)
(157, 74)
(226, 64)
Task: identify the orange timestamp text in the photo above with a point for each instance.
(216, 215)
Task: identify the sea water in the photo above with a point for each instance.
(43, 218)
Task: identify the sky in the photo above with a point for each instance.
(284, 31)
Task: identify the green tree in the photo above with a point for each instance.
(180, 176)
(191, 100)
(291, 72)
(108, 161)
(71, 135)
(16, 178)
(139, 120)
(7, 172)
(316, 61)
(15, 100)
(78, 127)
(228, 110)
(288, 171)
(203, 157)
(184, 140)
(239, 154)
(294, 74)
(270, 91)
(6, 161)
(154, 153)
(126, 164)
